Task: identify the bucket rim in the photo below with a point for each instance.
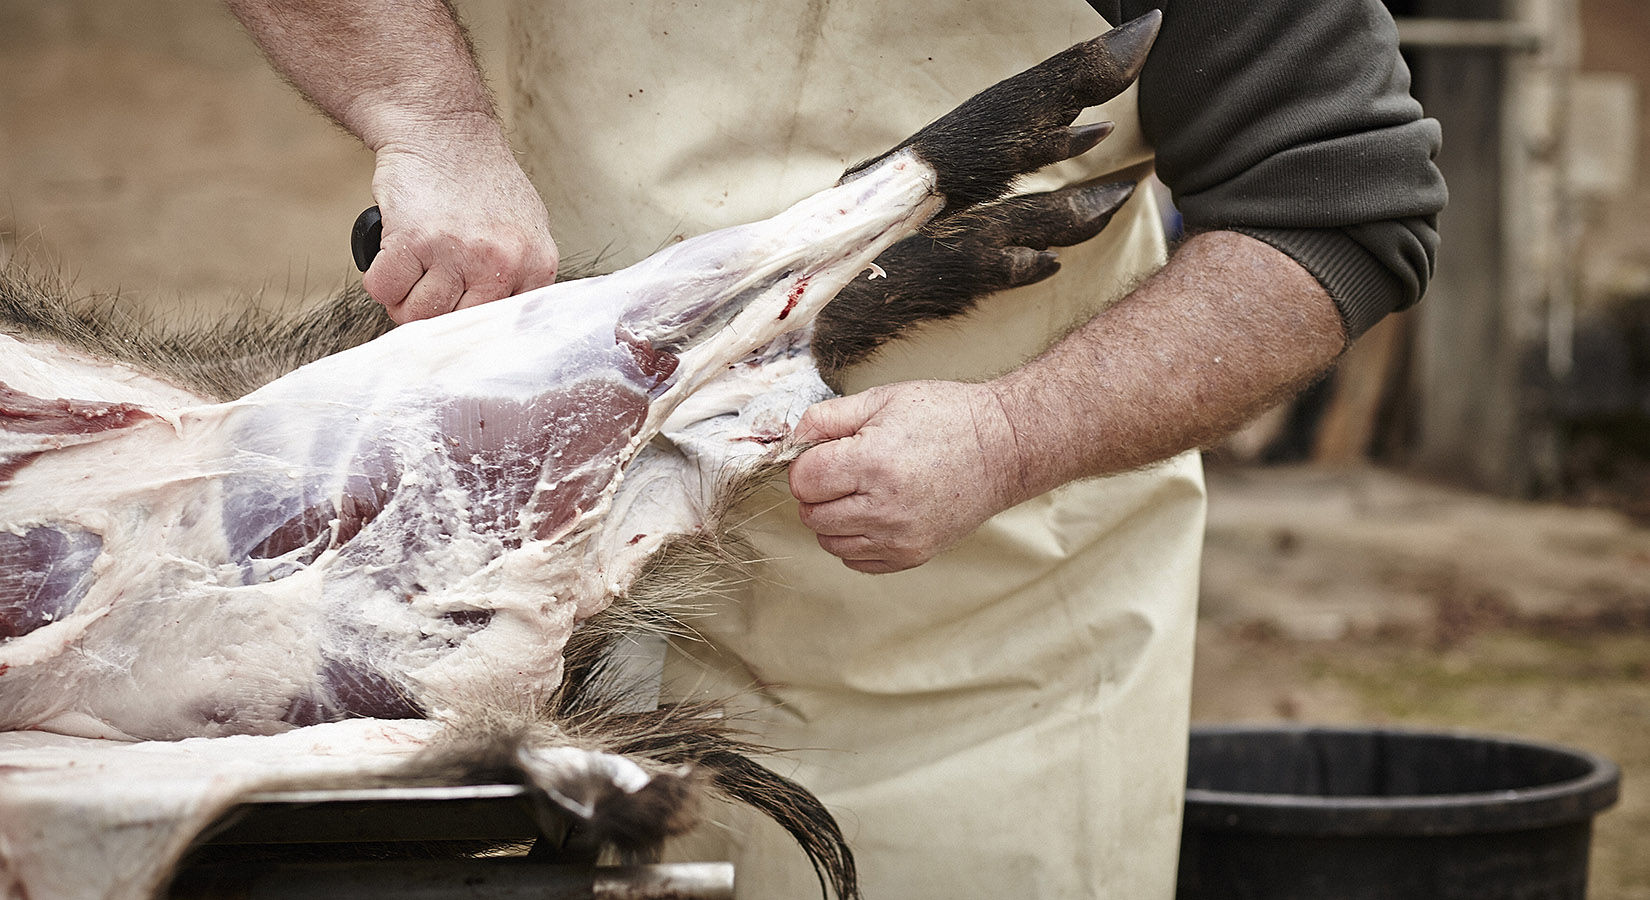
(1571, 801)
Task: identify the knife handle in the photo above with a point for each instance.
(365, 237)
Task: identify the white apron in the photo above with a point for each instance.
(1009, 720)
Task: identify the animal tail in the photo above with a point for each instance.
(628, 780)
(702, 745)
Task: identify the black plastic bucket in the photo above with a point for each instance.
(1342, 813)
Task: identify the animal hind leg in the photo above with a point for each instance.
(944, 271)
(1023, 123)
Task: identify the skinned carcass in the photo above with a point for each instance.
(414, 528)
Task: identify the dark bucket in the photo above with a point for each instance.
(1336, 814)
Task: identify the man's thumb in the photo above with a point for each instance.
(832, 419)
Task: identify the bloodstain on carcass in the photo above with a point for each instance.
(794, 296)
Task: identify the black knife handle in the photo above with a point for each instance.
(365, 237)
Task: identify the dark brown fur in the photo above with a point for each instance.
(222, 359)
(944, 271)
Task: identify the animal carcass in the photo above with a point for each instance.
(413, 528)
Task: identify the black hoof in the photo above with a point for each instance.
(1022, 124)
(946, 270)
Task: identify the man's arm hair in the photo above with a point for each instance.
(379, 68)
(462, 224)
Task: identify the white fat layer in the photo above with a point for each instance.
(54, 370)
(469, 577)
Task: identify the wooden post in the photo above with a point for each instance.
(1482, 336)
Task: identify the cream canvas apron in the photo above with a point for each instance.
(1009, 720)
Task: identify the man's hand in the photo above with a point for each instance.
(462, 226)
(1227, 328)
(905, 471)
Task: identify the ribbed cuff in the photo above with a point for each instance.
(1363, 289)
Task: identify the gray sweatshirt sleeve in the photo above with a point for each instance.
(1291, 121)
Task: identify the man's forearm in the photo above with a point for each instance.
(1226, 329)
(384, 69)
(905, 470)
(462, 224)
